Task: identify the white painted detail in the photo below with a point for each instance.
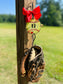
(32, 55)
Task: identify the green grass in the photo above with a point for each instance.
(8, 72)
(7, 25)
(49, 38)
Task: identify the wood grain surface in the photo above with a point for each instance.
(24, 40)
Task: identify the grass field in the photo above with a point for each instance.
(49, 38)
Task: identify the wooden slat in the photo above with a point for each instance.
(27, 36)
(20, 36)
(24, 40)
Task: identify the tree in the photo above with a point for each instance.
(54, 14)
(7, 18)
(62, 15)
(51, 13)
(11, 18)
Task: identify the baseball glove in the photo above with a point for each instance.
(33, 64)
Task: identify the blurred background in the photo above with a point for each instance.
(50, 38)
(52, 12)
(7, 11)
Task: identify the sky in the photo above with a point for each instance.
(8, 6)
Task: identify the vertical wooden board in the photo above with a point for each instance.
(28, 41)
(20, 36)
(24, 40)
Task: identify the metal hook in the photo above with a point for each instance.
(32, 9)
(33, 37)
(32, 5)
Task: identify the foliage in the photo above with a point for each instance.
(7, 18)
(51, 13)
(62, 15)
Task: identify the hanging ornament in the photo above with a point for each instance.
(33, 25)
